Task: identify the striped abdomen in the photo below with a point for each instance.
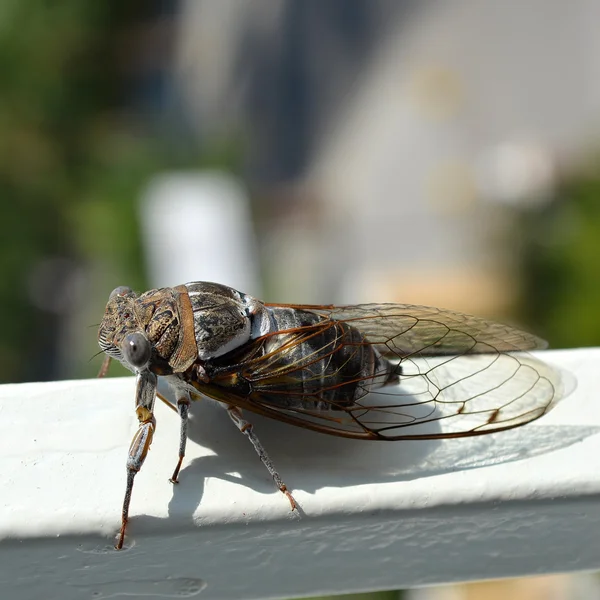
(328, 366)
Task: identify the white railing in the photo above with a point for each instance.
(373, 515)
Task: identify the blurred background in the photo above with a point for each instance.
(334, 151)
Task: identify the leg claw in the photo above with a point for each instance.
(290, 498)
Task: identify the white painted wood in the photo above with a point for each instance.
(374, 515)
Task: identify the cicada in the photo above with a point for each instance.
(370, 371)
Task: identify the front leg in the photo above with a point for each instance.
(104, 367)
(145, 394)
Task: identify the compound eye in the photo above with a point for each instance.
(122, 290)
(136, 350)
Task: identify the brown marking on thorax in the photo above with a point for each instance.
(166, 315)
(186, 352)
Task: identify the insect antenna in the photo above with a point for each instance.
(105, 364)
(94, 355)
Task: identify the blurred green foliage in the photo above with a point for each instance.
(561, 263)
(58, 67)
(76, 148)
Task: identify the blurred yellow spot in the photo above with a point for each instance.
(451, 188)
(437, 92)
(470, 289)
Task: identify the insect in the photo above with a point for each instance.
(371, 371)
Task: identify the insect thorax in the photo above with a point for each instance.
(225, 319)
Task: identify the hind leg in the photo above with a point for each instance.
(246, 428)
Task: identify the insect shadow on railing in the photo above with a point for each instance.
(308, 460)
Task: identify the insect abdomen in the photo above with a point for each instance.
(327, 367)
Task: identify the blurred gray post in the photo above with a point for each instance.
(197, 226)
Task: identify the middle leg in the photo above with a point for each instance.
(183, 408)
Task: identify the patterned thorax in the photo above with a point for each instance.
(225, 319)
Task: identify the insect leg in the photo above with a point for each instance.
(145, 394)
(246, 428)
(183, 407)
(167, 402)
(104, 367)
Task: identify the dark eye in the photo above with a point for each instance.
(136, 350)
(122, 290)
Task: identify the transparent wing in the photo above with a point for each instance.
(405, 329)
(455, 396)
(453, 375)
